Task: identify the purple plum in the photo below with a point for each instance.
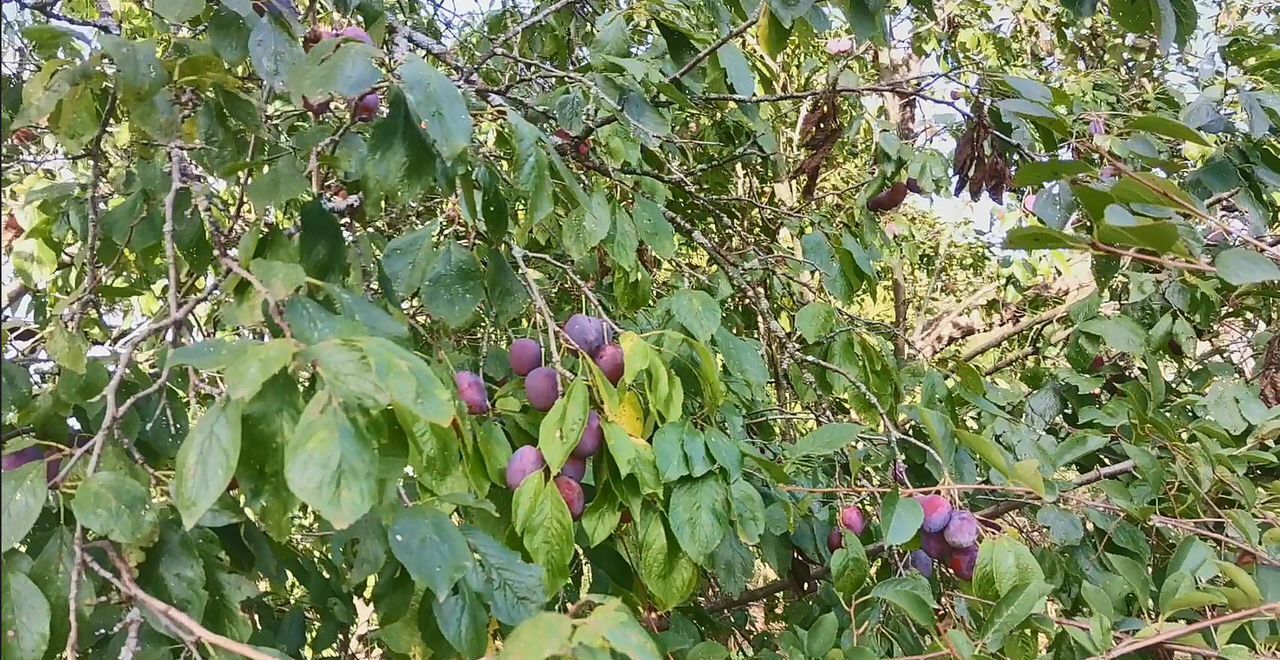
(588, 333)
(575, 468)
(962, 530)
(471, 391)
(592, 437)
(366, 108)
(935, 545)
(963, 561)
(573, 496)
(357, 33)
(922, 562)
(937, 511)
(526, 355)
(852, 520)
(542, 387)
(17, 459)
(610, 361)
(835, 540)
(526, 461)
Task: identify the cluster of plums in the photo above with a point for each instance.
(542, 388)
(363, 108)
(947, 535)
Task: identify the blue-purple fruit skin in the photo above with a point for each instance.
(471, 391)
(852, 520)
(922, 562)
(573, 496)
(963, 561)
(962, 529)
(17, 459)
(575, 468)
(367, 107)
(592, 437)
(356, 33)
(587, 333)
(935, 545)
(526, 355)
(542, 387)
(611, 362)
(937, 512)
(524, 462)
(835, 540)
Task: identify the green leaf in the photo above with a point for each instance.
(282, 182)
(454, 287)
(25, 493)
(1167, 127)
(900, 518)
(544, 636)
(24, 616)
(323, 248)
(179, 11)
(824, 440)
(699, 515)
(516, 588)
(207, 460)
(282, 278)
(1120, 332)
(257, 363)
(1027, 473)
(347, 71)
(787, 11)
(1064, 526)
(328, 465)
(815, 320)
(748, 510)
(1036, 173)
(822, 636)
(911, 595)
(613, 626)
(1135, 574)
(1014, 608)
(586, 227)
(430, 546)
(463, 622)
(849, 567)
(274, 52)
(114, 506)
(737, 69)
(436, 101)
(543, 522)
(1042, 238)
(407, 259)
(1004, 563)
(1241, 266)
(561, 429)
(668, 449)
(670, 574)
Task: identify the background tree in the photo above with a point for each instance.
(685, 329)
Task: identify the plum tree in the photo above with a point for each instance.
(592, 437)
(611, 362)
(472, 392)
(542, 387)
(588, 333)
(524, 462)
(573, 496)
(935, 545)
(962, 562)
(921, 562)
(575, 468)
(525, 356)
(851, 519)
(962, 529)
(366, 107)
(937, 512)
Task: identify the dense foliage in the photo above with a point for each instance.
(841, 329)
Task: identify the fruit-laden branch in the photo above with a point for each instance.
(876, 549)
